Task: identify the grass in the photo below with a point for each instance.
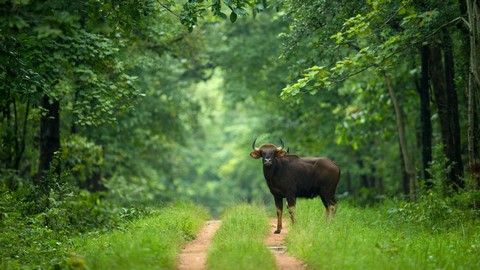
(382, 238)
(239, 242)
(148, 243)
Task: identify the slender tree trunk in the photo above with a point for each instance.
(425, 116)
(441, 72)
(473, 92)
(409, 169)
(49, 136)
(454, 116)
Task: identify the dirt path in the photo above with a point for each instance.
(276, 243)
(194, 255)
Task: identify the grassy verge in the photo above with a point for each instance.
(238, 244)
(382, 238)
(34, 236)
(148, 243)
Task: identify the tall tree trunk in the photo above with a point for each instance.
(452, 99)
(473, 92)
(425, 116)
(409, 169)
(49, 136)
(441, 72)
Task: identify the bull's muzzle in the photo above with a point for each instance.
(267, 162)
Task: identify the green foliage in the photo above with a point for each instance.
(439, 209)
(82, 157)
(193, 10)
(151, 112)
(73, 64)
(148, 243)
(238, 244)
(98, 59)
(43, 239)
(376, 38)
(382, 238)
(438, 213)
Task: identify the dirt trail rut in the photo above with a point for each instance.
(276, 244)
(194, 254)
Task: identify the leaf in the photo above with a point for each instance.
(222, 15)
(233, 17)
(260, 7)
(240, 11)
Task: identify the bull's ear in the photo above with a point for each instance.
(280, 153)
(255, 154)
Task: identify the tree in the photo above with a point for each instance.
(374, 37)
(473, 93)
(377, 39)
(423, 88)
(441, 72)
(363, 51)
(74, 66)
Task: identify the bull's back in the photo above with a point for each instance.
(324, 176)
(305, 177)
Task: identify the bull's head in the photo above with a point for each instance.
(268, 152)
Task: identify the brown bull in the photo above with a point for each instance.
(291, 177)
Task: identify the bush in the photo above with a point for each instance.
(36, 227)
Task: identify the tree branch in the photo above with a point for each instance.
(454, 21)
(168, 9)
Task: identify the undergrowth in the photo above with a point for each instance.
(59, 227)
(39, 237)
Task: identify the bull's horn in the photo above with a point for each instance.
(253, 145)
(281, 141)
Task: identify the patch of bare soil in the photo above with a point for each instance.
(194, 254)
(276, 243)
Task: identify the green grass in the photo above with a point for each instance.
(148, 243)
(382, 238)
(239, 242)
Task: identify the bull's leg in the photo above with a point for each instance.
(331, 210)
(330, 207)
(279, 206)
(291, 208)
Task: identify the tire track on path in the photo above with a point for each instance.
(276, 244)
(194, 254)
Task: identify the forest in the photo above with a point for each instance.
(112, 110)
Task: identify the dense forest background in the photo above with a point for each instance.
(109, 105)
